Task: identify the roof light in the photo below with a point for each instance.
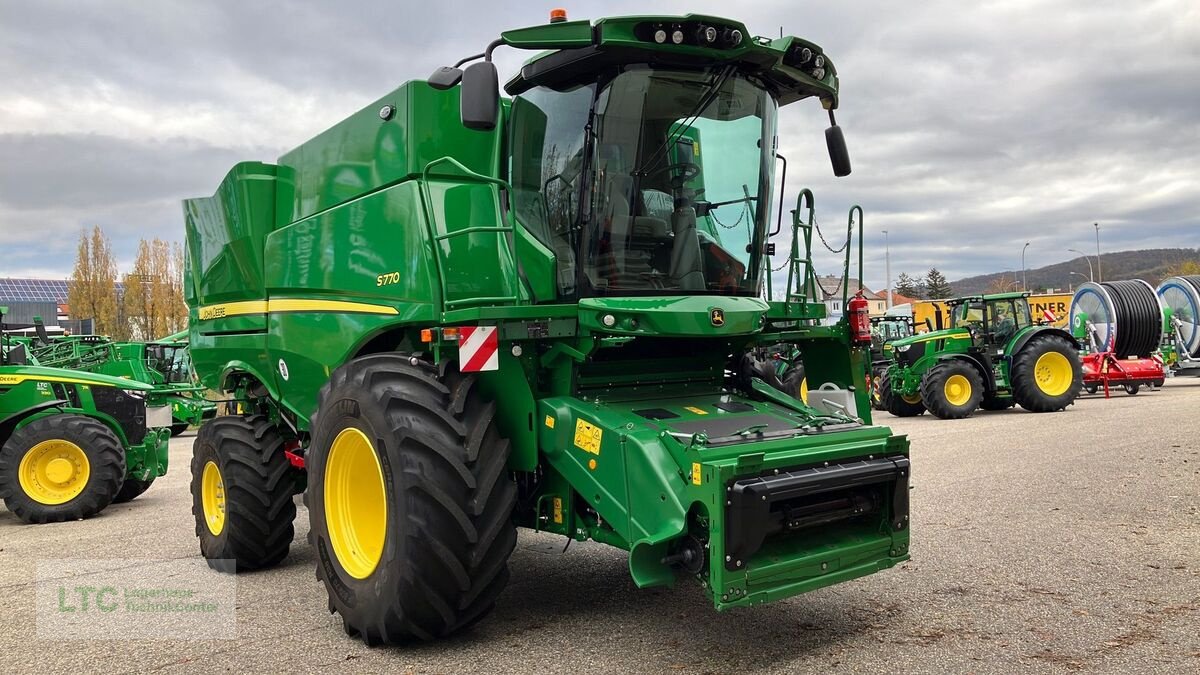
(558, 15)
(818, 73)
(677, 37)
(819, 61)
(660, 36)
(805, 56)
(735, 37)
(709, 34)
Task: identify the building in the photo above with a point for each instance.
(830, 291)
(47, 298)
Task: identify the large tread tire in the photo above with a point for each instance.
(894, 403)
(178, 429)
(1024, 384)
(449, 499)
(875, 393)
(105, 459)
(131, 489)
(933, 389)
(259, 483)
(795, 382)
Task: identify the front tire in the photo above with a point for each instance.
(242, 488)
(895, 402)
(417, 547)
(61, 467)
(952, 389)
(1046, 374)
(131, 489)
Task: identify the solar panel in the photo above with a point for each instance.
(39, 290)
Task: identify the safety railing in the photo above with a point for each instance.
(802, 286)
(504, 232)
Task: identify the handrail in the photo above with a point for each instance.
(508, 228)
(804, 200)
(846, 267)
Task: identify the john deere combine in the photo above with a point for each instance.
(454, 314)
(992, 356)
(72, 442)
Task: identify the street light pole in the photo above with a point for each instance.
(1088, 260)
(887, 265)
(1099, 274)
(1024, 286)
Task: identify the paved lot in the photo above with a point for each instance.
(1040, 543)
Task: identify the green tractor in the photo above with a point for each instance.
(164, 364)
(72, 442)
(455, 313)
(884, 331)
(992, 356)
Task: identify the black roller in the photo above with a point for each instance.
(1126, 315)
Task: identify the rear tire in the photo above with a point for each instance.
(875, 393)
(895, 403)
(795, 383)
(131, 489)
(1039, 373)
(81, 450)
(427, 554)
(952, 389)
(1132, 389)
(242, 488)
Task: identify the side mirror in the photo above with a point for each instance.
(839, 156)
(480, 104)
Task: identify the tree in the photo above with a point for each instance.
(153, 300)
(1186, 267)
(908, 286)
(936, 286)
(1003, 284)
(92, 289)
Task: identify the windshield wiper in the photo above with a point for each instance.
(706, 99)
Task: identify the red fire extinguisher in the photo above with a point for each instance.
(860, 319)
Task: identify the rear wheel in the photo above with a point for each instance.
(876, 395)
(242, 488)
(62, 467)
(896, 403)
(409, 499)
(952, 389)
(1091, 388)
(1132, 389)
(1046, 374)
(131, 489)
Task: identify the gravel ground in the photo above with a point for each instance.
(1041, 543)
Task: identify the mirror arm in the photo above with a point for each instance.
(465, 59)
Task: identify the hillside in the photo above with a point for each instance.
(1149, 264)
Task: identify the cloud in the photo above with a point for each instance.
(974, 127)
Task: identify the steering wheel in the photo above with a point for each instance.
(688, 171)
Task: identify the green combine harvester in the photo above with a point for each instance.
(164, 364)
(455, 313)
(72, 442)
(992, 356)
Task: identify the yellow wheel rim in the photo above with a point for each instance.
(212, 497)
(355, 503)
(804, 390)
(957, 389)
(1053, 374)
(54, 472)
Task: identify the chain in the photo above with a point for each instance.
(745, 210)
(817, 227)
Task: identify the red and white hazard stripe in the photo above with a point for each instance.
(478, 349)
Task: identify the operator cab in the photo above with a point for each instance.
(992, 321)
(616, 179)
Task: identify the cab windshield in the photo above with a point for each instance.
(669, 194)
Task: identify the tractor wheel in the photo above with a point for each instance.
(62, 467)
(997, 403)
(1046, 374)
(896, 403)
(409, 499)
(952, 389)
(1132, 389)
(795, 383)
(1091, 388)
(131, 489)
(178, 429)
(242, 487)
(876, 395)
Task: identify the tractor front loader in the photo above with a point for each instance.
(992, 356)
(454, 314)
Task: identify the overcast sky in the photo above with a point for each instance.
(973, 126)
